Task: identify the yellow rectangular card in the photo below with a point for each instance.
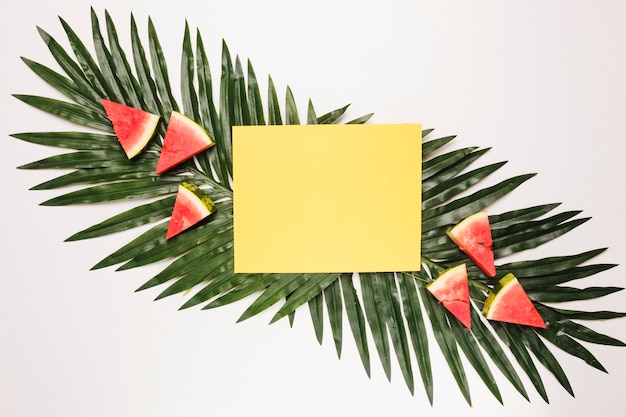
(327, 198)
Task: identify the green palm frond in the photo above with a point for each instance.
(389, 315)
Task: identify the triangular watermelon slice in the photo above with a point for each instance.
(133, 127)
(509, 302)
(183, 139)
(473, 236)
(451, 288)
(191, 206)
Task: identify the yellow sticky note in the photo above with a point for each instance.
(327, 198)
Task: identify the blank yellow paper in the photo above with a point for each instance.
(327, 198)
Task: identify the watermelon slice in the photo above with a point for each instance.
(509, 302)
(451, 288)
(183, 139)
(191, 206)
(133, 127)
(473, 236)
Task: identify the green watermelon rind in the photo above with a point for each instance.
(146, 134)
(142, 134)
(442, 282)
(499, 292)
(203, 199)
(194, 134)
(202, 204)
(457, 235)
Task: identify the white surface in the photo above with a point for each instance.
(541, 82)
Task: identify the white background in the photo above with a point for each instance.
(542, 82)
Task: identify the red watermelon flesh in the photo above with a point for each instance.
(473, 236)
(451, 288)
(190, 207)
(133, 127)
(509, 302)
(183, 139)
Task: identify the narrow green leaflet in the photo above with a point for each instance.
(72, 140)
(80, 159)
(447, 342)
(375, 314)
(316, 309)
(121, 67)
(105, 61)
(315, 285)
(65, 85)
(139, 188)
(332, 296)
(390, 313)
(356, 319)
(417, 330)
(395, 325)
(142, 68)
(137, 216)
(72, 112)
(490, 345)
(95, 175)
(71, 68)
(275, 293)
(160, 71)
(188, 71)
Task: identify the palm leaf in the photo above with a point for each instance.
(390, 310)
